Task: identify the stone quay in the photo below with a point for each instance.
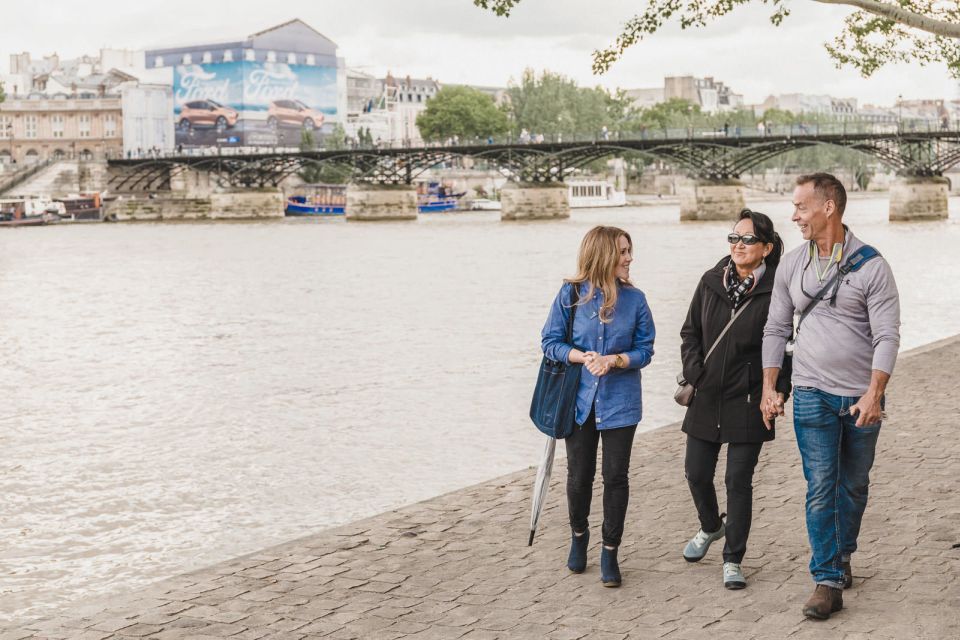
(457, 566)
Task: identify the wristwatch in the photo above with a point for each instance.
(619, 362)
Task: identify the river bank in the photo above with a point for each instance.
(456, 566)
(190, 393)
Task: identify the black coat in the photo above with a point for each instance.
(726, 407)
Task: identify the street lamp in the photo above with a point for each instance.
(9, 129)
(900, 113)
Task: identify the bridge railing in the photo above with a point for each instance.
(673, 134)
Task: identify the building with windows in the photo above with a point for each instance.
(38, 128)
(811, 104)
(78, 108)
(709, 94)
(407, 97)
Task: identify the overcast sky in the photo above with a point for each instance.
(455, 42)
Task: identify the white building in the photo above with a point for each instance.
(812, 104)
(407, 98)
(709, 94)
(645, 98)
(147, 119)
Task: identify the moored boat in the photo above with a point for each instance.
(594, 193)
(433, 197)
(83, 207)
(28, 212)
(318, 200)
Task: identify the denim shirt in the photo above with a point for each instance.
(616, 397)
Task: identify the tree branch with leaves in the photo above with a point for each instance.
(876, 34)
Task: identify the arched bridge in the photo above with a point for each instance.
(716, 157)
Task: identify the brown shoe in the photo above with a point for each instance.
(847, 575)
(824, 601)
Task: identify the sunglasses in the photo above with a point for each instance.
(747, 239)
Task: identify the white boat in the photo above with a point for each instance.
(483, 204)
(594, 193)
(29, 212)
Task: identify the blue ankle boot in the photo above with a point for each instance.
(577, 560)
(609, 567)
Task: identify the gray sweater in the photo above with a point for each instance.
(838, 346)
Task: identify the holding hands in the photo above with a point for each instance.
(771, 406)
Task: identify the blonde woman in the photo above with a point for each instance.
(613, 336)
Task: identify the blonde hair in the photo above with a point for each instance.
(597, 266)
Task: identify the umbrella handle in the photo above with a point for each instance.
(530, 541)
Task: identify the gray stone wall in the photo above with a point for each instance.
(381, 202)
(709, 200)
(919, 199)
(237, 205)
(534, 201)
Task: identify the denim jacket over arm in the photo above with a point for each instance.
(616, 396)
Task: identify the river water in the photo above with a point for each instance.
(180, 394)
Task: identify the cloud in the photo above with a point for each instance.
(454, 41)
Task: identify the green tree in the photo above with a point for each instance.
(674, 113)
(880, 32)
(307, 141)
(780, 116)
(553, 104)
(463, 112)
(324, 172)
(3, 94)
(337, 139)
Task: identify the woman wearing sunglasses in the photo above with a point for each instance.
(729, 310)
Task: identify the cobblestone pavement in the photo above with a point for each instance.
(457, 566)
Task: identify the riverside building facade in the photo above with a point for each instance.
(38, 128)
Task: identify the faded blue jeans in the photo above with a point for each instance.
(837, 458)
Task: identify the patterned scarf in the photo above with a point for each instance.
(736, 288)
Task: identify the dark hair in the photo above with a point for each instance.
(827, 187)
(763, 229)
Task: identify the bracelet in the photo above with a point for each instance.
(619, 362)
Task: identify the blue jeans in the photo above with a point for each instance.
(837, 457)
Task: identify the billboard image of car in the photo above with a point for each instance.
(251, 103)
(206, 113)
(293, 113)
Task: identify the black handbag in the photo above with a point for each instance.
(554, 405)
(685, 392)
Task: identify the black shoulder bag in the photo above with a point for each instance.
(554, 405)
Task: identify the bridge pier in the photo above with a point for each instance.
(702, 199)
(381, 202)
(534, 201)
(919, 198)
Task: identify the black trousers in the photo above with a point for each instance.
(701, 465)
(582, 467)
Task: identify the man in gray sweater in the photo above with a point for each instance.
(843, 355)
